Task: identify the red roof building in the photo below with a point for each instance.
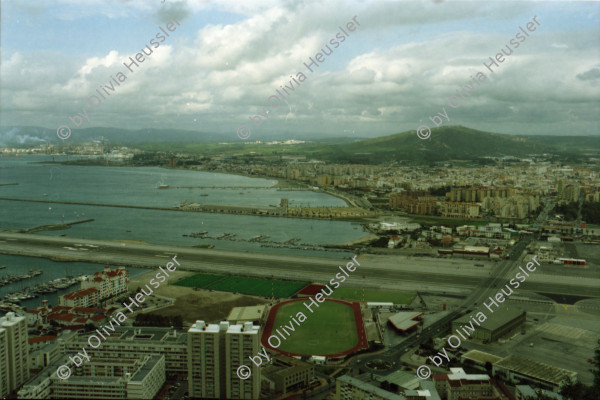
(109, 282)
(81, 298)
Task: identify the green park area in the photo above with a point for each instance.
(330, 329)
(199, 280)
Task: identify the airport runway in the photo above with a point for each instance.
(384, 274)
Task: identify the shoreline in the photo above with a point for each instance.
(281, 183)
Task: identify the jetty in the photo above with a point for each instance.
(328, 213)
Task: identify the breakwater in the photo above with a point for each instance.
(328, 213)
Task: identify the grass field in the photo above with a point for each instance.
(330, 329)
(198, 280)
(258, 287)
(373, 295)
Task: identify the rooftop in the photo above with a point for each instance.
(80, 293)
(242, 314)
(495, 320)
(367, 387)
(481, 357)
(405, 320)
(146, 367)
(243, 329)
(40, 339)
(142, 334)
(535, 369)
(203, 327)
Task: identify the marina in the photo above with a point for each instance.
(5, 280)
(39, 289)
(293, 243)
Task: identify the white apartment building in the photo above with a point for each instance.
(132, 342)
(4, 383)
(215, 352)
(206, 377)
(241, 342)
(17, 350)
(81, 298)
(139, 378)
(108, 282)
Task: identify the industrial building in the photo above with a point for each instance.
(523, 370)
(287, 374)
(498, 324)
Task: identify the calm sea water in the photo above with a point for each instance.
(139, 186)
(51, 270)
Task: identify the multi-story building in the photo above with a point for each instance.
(288, 374)
(205, 375)
(414, 202)
(16, 351)
(43, 351)
(515, 207)
(460, 385)
(139, 378)
(108, 282)
(4, 382)
(454, 209)
(133, 342)
(241, 342)
(349, 388)
(569, 192)
(477, 194)
(215, 352)
(81, 298)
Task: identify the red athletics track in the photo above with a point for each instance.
(360, 329)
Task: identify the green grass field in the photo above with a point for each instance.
(198, 280)
(330, 329)
(254, 286)
(374, 296)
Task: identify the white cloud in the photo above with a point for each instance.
(395, 70)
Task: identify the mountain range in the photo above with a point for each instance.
(445, 143)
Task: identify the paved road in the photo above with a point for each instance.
(253, 264)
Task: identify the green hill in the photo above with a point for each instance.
(445, 143)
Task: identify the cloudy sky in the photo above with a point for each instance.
(227, 57)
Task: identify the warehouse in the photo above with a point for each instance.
(500, 323)
(523, 370)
